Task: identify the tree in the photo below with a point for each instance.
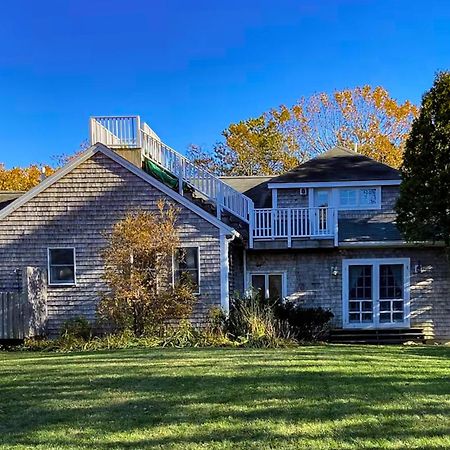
(284, 137)
(22, 179)
(25, 178)
(138, 271)
(424, 204)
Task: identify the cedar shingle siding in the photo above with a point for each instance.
(76, 211)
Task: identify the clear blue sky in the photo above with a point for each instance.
(190, 68)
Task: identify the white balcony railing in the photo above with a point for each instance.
(128, 132)
(289, 223)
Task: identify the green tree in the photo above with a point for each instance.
(424, 204)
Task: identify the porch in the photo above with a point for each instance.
(294, 227)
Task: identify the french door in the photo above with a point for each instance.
(376, 293)
(320, 223)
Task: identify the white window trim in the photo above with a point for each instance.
(199, 266)
(336, 199)
(266, 273)
(375, 263)
(59, 283)
(331, 184)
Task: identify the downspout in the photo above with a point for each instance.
(225, 270)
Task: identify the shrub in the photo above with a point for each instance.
(307, 324)
(138, 272)
(78, 328)
(253, 322)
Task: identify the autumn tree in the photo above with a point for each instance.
(25, 178)
(284, 137)
(138, 271)
(22, 179)
(424, 204)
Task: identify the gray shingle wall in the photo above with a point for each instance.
(309, 281)
(291, 198)
(77, 211)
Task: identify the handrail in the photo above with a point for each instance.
(288, 223)
(127, 132)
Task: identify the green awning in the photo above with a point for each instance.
(160, 174)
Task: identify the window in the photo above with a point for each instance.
(61, 266)
(268, 285)
(186, 266)
(359, 198)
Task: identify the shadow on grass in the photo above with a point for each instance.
(181, 397)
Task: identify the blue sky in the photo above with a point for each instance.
(190, 68)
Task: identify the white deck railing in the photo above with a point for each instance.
(127, 132)
(289, 223)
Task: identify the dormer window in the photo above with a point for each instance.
(359, 198)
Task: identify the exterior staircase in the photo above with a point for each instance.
(377, 337)
(200, 186)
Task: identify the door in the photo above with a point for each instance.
(376, 293)
(320, 217)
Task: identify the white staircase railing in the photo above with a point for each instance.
(127, 132)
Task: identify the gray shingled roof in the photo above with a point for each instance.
(339, 164)
(375, 227)
(7, 197)
(253, 187)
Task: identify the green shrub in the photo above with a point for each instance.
(77, 328)
(307, 324)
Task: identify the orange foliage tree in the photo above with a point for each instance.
(138, 271)
(284, 137)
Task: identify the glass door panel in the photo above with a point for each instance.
(360, 294)
(321, 202)
(392, 298)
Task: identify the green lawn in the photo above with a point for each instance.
(324, 397)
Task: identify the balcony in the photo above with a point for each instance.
(294, 227)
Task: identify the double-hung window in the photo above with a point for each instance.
(268, 285)
(61, 266)
(186, 266)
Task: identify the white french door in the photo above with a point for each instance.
(375, 293)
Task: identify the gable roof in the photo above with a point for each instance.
(91, 151)
(339, 164)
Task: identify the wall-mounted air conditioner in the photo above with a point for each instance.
(303, 192)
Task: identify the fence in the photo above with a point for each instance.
(14, 315)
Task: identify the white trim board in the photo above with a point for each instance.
(329, 184)
(91, 151)
(375, 263)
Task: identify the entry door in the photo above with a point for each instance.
(376, 293)
(320, 223)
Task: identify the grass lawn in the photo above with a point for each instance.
(324, 397)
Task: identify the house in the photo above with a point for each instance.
(323, 234)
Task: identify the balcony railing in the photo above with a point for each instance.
(292, 223)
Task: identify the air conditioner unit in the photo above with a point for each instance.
(303, 192)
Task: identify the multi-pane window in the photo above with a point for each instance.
(391, 293)
(359, 198)
(186, 266)
(360, 294)
(61, 266)
(268, 285)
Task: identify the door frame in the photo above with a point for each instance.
(375, 263)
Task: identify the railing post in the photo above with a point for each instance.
(138, 132)
(336, 227)
(180, 175)
(219, 200)
(289, 227)
(251, 224)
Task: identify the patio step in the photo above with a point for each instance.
(375, 337)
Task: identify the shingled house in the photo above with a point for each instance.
(323, 234)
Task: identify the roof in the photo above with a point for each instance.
(370, 228)
(339, 164)
(7, 197)
(91, 151)
(254, 187)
